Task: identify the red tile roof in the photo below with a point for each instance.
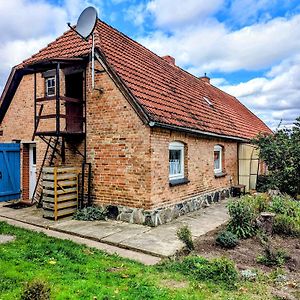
(168, 94)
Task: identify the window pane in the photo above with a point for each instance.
(175, 161)
(217, 160)
(50, 86)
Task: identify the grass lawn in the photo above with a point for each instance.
(78, 272)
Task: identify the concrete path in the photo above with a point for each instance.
(143, 258)
(155, 242)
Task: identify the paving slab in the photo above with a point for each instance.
(160, 241)
(133, 255)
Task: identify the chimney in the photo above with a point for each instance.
(169, 59)
(205, 79)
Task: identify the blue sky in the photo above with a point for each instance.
(249, 48)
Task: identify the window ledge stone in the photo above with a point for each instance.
(221, 174)
(175, 182)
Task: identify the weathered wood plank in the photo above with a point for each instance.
(61, 198)
(60, 192)
(60, 213)
(64, 183)
(60, 205)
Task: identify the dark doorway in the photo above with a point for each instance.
(74, 110)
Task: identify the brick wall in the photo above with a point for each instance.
(199, 166)
(130, 161)
(118, 146)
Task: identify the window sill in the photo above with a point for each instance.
(175, 182)
(221, 174)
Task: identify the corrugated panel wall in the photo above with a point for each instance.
(248, 165)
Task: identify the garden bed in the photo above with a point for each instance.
(246, 253)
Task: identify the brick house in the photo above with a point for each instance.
(158, 139)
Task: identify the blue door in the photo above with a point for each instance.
(9, 171)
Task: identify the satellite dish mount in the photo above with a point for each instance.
(84, 28)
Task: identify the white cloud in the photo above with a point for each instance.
(212, 47)
(27, 26)
(245, 11)
(169, 13)
(20, 19)
(136, 13)
(275, 96)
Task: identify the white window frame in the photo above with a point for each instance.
(219, 149)
(46, 83)
(177, 146)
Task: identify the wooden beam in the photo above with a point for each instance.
(42, 99)
(51, 116)
(70, 99)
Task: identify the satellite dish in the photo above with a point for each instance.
(85, 27)
(86, 22)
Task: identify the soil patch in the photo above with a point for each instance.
(174, 284)
(245, 254)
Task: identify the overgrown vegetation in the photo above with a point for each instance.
(245, 211)
(217, 270)
(281, 153)
(91, 213)
(242, 218)
(272, 257)
(185, 235)
(36, 290)
(227, 239)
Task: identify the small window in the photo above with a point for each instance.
(50, 86)
(218, 159)
(176, 160)
(208, 101)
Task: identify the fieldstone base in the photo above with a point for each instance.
(164, 215)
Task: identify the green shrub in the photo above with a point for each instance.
(242, 221)
(263, 183)
(91, 213)
(272, 257)
(285, 205)
(280, 151)
(259, 203)
(220, 270)
(227, 239)
(286, 225)
(36, 290)
(185, 235)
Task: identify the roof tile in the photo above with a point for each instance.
(167, 93)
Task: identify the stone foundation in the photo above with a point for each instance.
(164, 215)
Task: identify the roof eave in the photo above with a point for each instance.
(197, 132)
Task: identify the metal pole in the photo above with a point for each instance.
(93, 61)
(57, 100)
(35, 119)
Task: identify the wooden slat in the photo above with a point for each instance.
(61, 170)
(66, 176)
(60, 213)
(60, 192)
(60, 189)
(61, 198)
(60, 205)
(63, 183)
